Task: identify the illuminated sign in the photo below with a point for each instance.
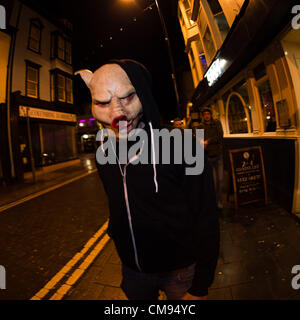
(46, 114)
(215, 71)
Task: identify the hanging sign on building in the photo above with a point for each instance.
(46, 114)
(248, 174)
(215, 71)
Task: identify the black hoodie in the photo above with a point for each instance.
(160, 218)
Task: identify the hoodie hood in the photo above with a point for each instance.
(141, 79)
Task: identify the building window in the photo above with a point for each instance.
(266, 100)
(186, 4)
(61, 48)
(188, 14)
(69, 90)
(238, 110)
(193, 67)
(61, 87)
(68, 52)
(202, 22)
(35, 33)
(242, 90)
(219, 17)
(32, 80)
(266, 97)
(209, 44)
(237, 118)
(52, 87)
(202, 57)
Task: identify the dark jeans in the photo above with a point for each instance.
(143, 286)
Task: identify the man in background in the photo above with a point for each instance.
(178, 123)
(213, 145)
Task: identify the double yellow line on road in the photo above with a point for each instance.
(78, 272)
(99, 236)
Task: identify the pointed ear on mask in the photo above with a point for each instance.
(86, 76)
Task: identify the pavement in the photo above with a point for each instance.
(259, 244)
(259, 247)
(15, 192)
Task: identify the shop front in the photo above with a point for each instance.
(48, 135)
(253, 92)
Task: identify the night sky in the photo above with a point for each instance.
(95, 21)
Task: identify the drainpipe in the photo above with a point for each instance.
(9, 90)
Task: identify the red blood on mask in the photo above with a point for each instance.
(115, 122)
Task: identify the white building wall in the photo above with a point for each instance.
(43, 59)
(231, 9)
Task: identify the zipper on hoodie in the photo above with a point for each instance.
(123, 173)
(129, 219)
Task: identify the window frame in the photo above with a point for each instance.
(231, 94)
(54, 48)
(30, 64)
(262, 108)
(54, 86)
(36, 23)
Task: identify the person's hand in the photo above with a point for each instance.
(189, 296)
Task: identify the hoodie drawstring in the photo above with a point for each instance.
(153, 157)
(102, 140)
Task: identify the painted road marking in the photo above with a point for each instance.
(37, 194)
(61, 292)
(62, 273)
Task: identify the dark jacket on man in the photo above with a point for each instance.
(213, 132)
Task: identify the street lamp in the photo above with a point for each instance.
(166, 37)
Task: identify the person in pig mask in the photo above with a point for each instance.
(163, 222)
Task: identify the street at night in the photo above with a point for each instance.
(41, 235)
(258, 246)
(149, 150)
